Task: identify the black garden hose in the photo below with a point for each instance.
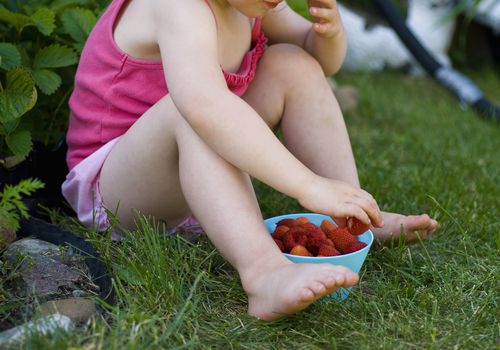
(42, 230)
(462, 87)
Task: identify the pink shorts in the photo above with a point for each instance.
(81, 190)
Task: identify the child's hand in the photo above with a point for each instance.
(326, 15)
(340, 200)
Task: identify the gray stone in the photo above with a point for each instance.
(78, 309)
(44, 325)
(33, 248)
(77, 293)
(45, 276)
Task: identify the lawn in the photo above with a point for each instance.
(416, 150)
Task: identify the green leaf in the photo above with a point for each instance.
(19, 95)
(19, 142)
(47, 80)
(10, 56)
(16, 19)
(58, 5)
(54, 56)
(10, 126)
(78, 23)
(12, 206)
(44, 20)
(78, 46)
(25, 57)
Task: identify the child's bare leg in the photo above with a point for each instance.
(169, 169)
(290, 83)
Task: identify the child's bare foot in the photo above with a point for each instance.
(289, 288)
(397, 226)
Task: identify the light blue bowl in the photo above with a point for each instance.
(353, 261)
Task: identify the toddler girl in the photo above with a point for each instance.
(174, 108)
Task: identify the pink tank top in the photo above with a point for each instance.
(112, 90)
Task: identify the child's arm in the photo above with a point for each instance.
(325, 39)
(187, 37)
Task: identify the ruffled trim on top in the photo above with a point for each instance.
(245, 76)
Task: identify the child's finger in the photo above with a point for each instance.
(322, 3)
(374, 205)
(341, 222)
(321, 15)
(319, 27)
(370, 207)
(354, 209)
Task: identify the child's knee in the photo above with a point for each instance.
(291, 62)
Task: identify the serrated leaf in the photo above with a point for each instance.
(11, 125)
(18, 20)
(54, 56)
(47, 80)
(19, 95)
(25, 57)
(78, 23)
(78, 46)
(44, 20)
(19, 142)
(57, 5)
(10, 56)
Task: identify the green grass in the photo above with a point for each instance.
(416, 150)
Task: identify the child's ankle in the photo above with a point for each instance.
(265, 263)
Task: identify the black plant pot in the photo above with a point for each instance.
(47, 165)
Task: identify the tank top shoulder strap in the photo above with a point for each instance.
(256, 28)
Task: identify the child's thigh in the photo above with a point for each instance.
(142, 171)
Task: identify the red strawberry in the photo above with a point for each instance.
(280, 245)
(298, 235)
(297, 230)
(309, 226)
(318, 234)
(300, 250)
(301, 220)
(354, 247)
(288, 241)
(286, 222)
(301, 239)
(313, 244)
(280, 231)
(327, 250)
(327, 227)
(356, 227)
(341, 238)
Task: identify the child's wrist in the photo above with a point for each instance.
(307, 190)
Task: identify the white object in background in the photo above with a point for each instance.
(488, 14)
(44, 325)
(379, 46)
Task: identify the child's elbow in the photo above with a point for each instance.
(332, 67)
(196, 110)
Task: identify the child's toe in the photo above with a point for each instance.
(307, 295)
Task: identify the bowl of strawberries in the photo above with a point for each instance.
(316, 239)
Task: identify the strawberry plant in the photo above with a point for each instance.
(40, 42)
